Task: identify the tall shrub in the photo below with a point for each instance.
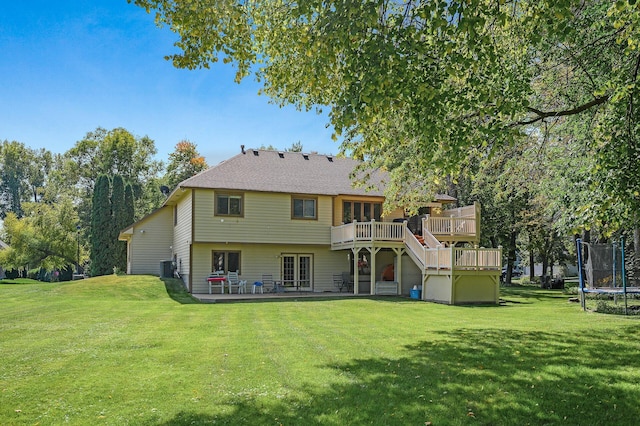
(101, 224)
(119, 222)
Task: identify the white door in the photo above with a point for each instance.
(297, 271)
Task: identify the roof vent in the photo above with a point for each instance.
(305, 156)
(281, 154)
(255, 152)
(242, 149)
(330, 158)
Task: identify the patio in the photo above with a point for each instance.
(234, 297)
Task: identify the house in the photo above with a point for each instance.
(298, 217)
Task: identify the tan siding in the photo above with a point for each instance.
(150, 242)
(438, 288)
(267, 219)
(333, 262)
(476, 289)
(259, 259)
(411, 275)
(182, 234)
(337, 208)
(395, 214)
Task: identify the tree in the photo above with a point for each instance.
(101, 237)
(129, 207)
(15, 159)
(45, 237)
(114, 152)
(295, 147)
(118, 222)
(184, 162)
(24, 174)
(422, 81)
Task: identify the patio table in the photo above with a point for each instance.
(220, 280)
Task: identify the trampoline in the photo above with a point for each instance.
(603, 272)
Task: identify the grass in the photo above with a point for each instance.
(136, 350)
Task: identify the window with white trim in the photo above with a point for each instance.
(304, 208)
(228, 205)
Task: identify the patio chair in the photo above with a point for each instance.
(348, 281)
(268, 283)
(233, 280)
(338, 282)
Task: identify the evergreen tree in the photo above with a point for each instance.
(101, 220)
(129, 206)
(129, 216)
(119, 222)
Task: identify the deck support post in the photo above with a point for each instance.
(374, 253)
(398, 272)
(355, 251)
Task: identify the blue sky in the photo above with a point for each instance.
(68, 67)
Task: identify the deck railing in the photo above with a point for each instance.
(368, 231)
(460, 222)
(462, 258)
(477, 258)
(466, 211)
(450, 225)
(438, 258)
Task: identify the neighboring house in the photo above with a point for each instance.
(3, 246)
(298, 218)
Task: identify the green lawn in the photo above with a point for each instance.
(130, 350)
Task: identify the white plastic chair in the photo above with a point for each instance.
(233, 281)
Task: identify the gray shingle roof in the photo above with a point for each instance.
(287, 172)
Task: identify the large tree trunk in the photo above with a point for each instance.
(511, 256)
(635, 264)
(532, 272)
(586, 238)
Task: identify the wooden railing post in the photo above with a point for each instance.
(453, 259)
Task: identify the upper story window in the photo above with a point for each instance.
(304, 208)
(228, 205)
(361, 211)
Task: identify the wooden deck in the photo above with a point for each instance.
(449, 274)
(450, 226)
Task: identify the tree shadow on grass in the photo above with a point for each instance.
(528, 292)
(176, 291)
(19, 281)
(468, 376)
